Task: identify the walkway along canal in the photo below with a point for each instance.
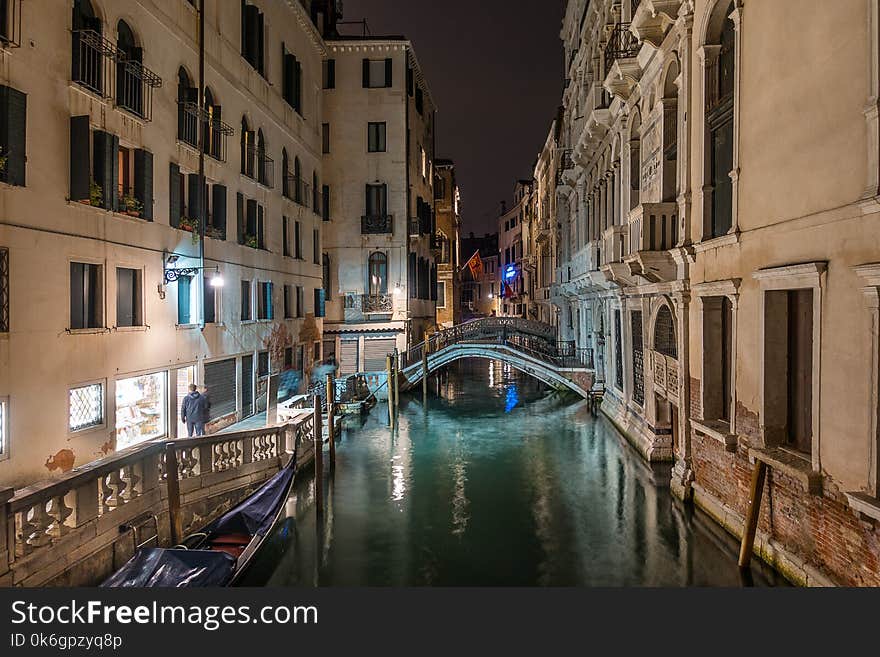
(498, 482)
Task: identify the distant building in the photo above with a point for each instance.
(480, 296)
(447, 243)
(515, 275)
(541, 230)
(380, 278)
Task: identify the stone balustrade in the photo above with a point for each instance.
(666, 375)
(77, 529)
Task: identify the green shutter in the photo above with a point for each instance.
(80, 158)
(174, 207)
(143, 181)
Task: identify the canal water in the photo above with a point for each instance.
(500, 482)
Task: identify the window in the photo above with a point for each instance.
(185, 301)
(210, 296)
(285, 236)
(441, 294)
(329, 74)
(325, 203)
(248, 149)
(320, 309)
(297, 241)
(288, 302)
(378, 73)
(263, 364)
(252, 37)
(251, 226)
(4, 290)
(246, 306)
(291, 80)
(288, 359)
(377, 199)
(316, 194)
(378, 274)
(13, 133)
(86, 407)
(300, 302)
(86, 296)
(325, 275)
(187, 109)
(717, 358)
(325, 138)
(4, 428)
(420, 101)
(265, 305)
(618, 348)
(376, 137)
(141, 406)
(423, 162)
(88, 59)
(128, 297)
(316, 246)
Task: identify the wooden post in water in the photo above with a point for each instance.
(425, 376)
(174, 518)
(331, 424)
(753, 513)
(396, 380)
(389, 371)
(319, 459)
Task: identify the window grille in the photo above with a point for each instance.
(87, 407)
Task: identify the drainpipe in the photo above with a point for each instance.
(203, 205)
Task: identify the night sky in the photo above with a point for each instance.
(495, 70)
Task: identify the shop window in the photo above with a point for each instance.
(141, 409)
(86, 296)
(129, 310)
(376, 137)
(86, 407)
(183, 379)
(246, 306)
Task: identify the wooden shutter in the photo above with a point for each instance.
(13, 134)
(107, 167)
(251, 222)
(218, 194)
(320, 303)
(174, 207)
(260, 43)
(240, 218)
(298, 86)
(261, 233)
(143, 181)
(247, 386)
(325, 205)
(366, 74)
(389, 72)
(80, 158)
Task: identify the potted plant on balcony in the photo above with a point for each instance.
(96, 195)
(190, 225)
(129, 205)
(215, 233)
(3, 159)
(251, 241)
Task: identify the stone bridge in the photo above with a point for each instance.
(528, 346)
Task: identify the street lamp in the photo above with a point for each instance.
(173, 274)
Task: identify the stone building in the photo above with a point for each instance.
(480, 296)
(541, 247)
(380, 276)
(515, 276)
(718, 250)
(104, 317)
(447, 243)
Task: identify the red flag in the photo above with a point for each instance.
(475, 264)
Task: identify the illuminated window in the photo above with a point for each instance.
(86, 407)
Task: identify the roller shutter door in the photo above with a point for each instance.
(247, 386)
(220, 380)
(348, 356)
(376, 350)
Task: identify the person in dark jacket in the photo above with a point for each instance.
(195, 412)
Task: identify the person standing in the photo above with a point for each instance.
(195, 412)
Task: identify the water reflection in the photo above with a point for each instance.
(479, 491)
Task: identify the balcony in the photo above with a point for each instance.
(377, 224)
(653, 231)
(367, 307)
(134, 88)
(651, 19)
(379, 304)
(622, 70)
(622, 44)
(666, 375)
(565, 165)
(215, 135)
(296, 189)
(94, 60)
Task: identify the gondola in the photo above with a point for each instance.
(219, 554)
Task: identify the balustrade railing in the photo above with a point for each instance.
(622, 44)
(377, 224)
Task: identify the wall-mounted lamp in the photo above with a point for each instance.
(173, 273)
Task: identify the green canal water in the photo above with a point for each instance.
(499, 482)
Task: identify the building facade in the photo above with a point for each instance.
(542, 228)
(447, 243)
(106, 318)
(378, 149)
(718, 256)
(515, 276)
(480, 295)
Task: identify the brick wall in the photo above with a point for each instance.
(819, 529)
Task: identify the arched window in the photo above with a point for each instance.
(297, 181)
(261, 158)
(129, 89)
(248, 148)
(187, 113)
(670, 134)
(87, 58)
(285, 173)
(635, 162)
(378, 274)
(325, 275)
(213, 143)
(719, 129)
(664, 333)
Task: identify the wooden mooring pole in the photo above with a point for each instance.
(389, 370)
(319, 458)
(396, 381)
(174, 518)
(425, 371)
(331, 424)
(753, 513)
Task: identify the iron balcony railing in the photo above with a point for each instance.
(377, 304)
(93, 60)
(377, 224)
(134, 88)
(296, 189)
(565, 164)
(215, 135)
(622, 44)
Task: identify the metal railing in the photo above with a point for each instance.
(296, 189)
(377, 303)
(93, 60)
(134, 88)
(565, 164)
(215, 132)
(377, 224)
(622, 44)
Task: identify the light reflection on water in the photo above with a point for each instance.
(499, 483)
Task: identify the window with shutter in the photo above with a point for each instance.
(320, 310)
(175, 206)
(210, 297)
(86, 296)
(218, 216)
(106, 162)
(240, 217)
(329, 74)
(325, 203)
(13, 135)
(80, 158)
(128, 297)
(143, 182)
(246, 312)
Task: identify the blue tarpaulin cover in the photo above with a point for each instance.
(155, 567)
